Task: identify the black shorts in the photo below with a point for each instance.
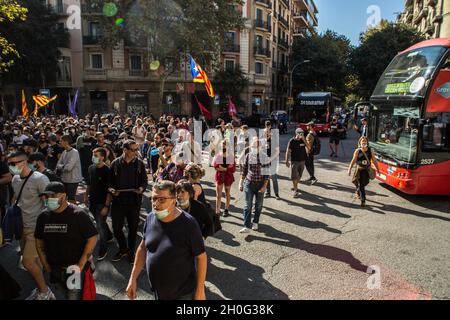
(335, 140)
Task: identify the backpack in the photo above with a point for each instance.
(316, 145)
(214, 217)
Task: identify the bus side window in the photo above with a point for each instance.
(436, 133)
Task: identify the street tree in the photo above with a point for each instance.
(230, 82)
(328, 67)
(10, 12)
(378, 46)
(168, 30)
(37, 40)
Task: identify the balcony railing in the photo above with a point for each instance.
(283, 20)
(138, 73)
(90, 40)
(263, 25)
(232, 48)
(286, 2)
(262, 51)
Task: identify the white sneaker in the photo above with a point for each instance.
(255, 227)
(46, 296)
(244, 230)
(33, 295)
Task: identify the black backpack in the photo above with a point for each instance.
(316, 145)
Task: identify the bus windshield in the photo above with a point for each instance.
(409, 73)
(394, 132)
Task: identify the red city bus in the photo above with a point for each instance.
(409, 122)
(315, 106)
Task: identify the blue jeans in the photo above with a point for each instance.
(251, 191)
(102, 227)
(274, 179)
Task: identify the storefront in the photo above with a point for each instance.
(99, 101)
(136, 102)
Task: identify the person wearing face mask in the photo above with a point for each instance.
(363, 157)
(32, 184)
(65, 236)
(37, 161)
(98, 198)
(186, 202)
(253, 182)
(172, 250)
(69, 166)
(127, 184)
(18, 137)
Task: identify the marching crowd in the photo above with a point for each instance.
(46, 162)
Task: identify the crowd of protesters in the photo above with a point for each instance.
(48, 163)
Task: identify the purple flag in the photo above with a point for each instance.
(73, 105)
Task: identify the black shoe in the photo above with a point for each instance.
(277, 196)
(102, 255)
(332, 154)
(119, 256)
(313, 181)
(226, 213)
(267, 195)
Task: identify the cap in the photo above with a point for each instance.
(53, 188)
(299, 131)
(310, 123)
(37, 156)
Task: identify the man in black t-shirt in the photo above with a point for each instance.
(98, 198)
(85, 144)
(172, 249)
(54, 152)
(336, 130)
(296, 159)
(65, 237)
(37, 159)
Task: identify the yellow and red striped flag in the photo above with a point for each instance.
(36, 111)
(42, 101)
(24, 106)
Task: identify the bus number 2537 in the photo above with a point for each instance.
(427, 161)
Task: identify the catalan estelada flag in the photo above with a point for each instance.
(199, 76)
(24, 106)
(42, 101)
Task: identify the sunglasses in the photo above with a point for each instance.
(13, 163)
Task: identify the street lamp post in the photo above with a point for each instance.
(291, 84)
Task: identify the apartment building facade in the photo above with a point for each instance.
(430, 17)
(263, 49)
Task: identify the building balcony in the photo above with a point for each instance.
(283, 21)
(274, 38)
(108, 74)
(301, 32)
(91, 40)
(423, 13)
(260, 51)
(95, 74)
(138, 73)
(91, 10)
(261, 24)
(233, 48)
(266, 3)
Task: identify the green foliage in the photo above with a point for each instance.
(230, 83)
(378, 47)
(10, 11)
(328, 70)
(37, 39)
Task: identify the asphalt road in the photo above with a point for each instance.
(317, 247)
